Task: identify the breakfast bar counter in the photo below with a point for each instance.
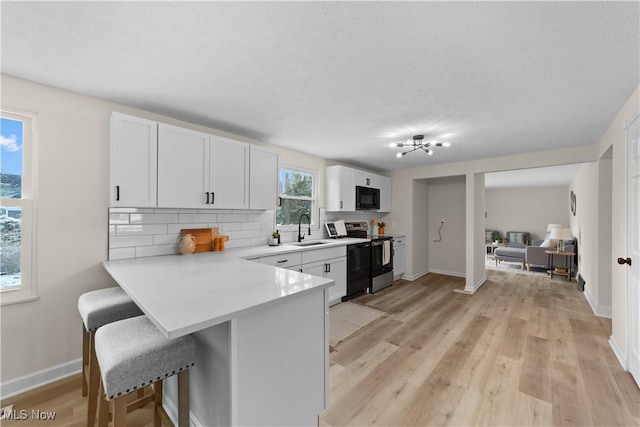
(261, 334)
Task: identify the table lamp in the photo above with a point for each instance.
(561, 234)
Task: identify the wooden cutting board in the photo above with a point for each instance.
(204, 237)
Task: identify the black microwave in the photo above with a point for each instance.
(367, 198)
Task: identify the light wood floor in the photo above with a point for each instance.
(521, 351)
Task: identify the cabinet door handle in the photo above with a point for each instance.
(117, 193)
(282, 260)
(207, 202)
(340, 204)
(623, 261)
(368, 181)
(213, 197)
(327, 268)
(279, 201)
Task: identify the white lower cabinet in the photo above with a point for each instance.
(399, 257)
(291, 260)
(332, 264)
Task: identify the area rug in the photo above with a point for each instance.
(347, 318)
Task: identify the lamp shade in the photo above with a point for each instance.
(552, 226)
(561, 234)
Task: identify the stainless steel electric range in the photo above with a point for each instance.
(378, 255)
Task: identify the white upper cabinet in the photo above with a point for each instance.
(133, 149)
(229, 174)
(384, 184)
(154, 164)
(183, 167)
(366, 179)
(263, 179)
(340, 189)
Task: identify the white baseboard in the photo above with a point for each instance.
(39, 378)
(618, 352)
(413, 277)
(476, 285)
(598, 310)
(447, 273)
(172, 411)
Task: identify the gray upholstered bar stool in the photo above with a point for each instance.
(98, 308)
(132, 354)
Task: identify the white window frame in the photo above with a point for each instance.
(28, 290)
(314, 197)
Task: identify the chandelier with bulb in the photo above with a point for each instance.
(418, 143)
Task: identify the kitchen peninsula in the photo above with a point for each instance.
(261, 334)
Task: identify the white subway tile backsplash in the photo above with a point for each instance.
(131, 210)
(145, 251)
(122, 253)
(118, 218)
(172, 211)
(244, 234)
(175, 228)
(150, 232)
(238, 243)
(140, 229)
(197, 217)
(153, 218)
(166, 239)
(232, 217)
(130, 241)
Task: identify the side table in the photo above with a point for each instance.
(491, 247)
(568, 258)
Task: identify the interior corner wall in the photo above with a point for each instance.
(526, 209)
(421, 222)
(447, 201)
(605, 257)
(584, 226)
(479, 271)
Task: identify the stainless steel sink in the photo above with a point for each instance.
(308, 243)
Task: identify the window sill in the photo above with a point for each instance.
(16, 297)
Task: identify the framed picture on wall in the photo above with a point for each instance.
(573, 203)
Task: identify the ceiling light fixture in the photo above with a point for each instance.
(418, 143)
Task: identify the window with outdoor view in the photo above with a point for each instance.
(16, 208)
(297, 196)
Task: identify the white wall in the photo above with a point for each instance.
(527, 209)
(583, 225)
(402, 209)
(447, 201)
(71, 221)
(421, 225)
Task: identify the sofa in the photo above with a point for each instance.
(532, 255)
(536, 256)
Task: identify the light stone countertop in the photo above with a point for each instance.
(184, 294)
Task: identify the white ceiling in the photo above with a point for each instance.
(552, 176)
(344, 79)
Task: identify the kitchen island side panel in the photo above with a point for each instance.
(279, 363)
